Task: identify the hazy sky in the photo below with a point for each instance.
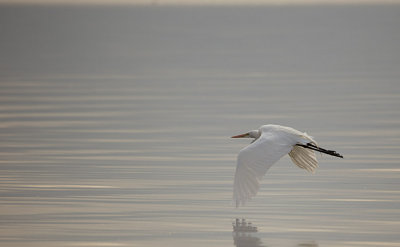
(200, 2)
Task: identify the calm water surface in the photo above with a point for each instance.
(115, 124)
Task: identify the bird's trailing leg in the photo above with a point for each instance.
(313, 147)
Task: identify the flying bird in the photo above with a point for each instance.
(271, 142)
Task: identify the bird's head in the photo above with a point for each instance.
(251, 134)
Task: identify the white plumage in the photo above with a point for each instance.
(271, 143)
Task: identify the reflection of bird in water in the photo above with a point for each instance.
(242, 234)
(246, 240)
(243, 226)
(271, 142)
(311, 244)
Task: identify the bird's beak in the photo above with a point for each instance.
(241, 136)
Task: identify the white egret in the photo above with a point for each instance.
(271, 142)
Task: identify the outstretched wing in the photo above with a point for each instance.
(253, 162)
(304, 158)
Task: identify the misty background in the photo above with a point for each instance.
(115, 123)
